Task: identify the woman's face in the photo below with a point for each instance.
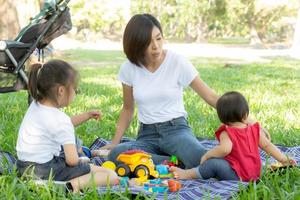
(154, 52)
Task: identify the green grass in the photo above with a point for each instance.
(272, 89)
(230, 41)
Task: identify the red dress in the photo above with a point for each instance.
(244, 157)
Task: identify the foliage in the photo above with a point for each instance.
(196, 20)
(96, 16)
(189, 21)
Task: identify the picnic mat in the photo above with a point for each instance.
(194, 189)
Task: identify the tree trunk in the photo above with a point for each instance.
(9, 22)
(254, 38)
(295, 50)
(15, 15)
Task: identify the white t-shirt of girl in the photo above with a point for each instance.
(159, 95)
(43, 130)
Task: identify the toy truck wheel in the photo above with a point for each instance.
(123, 170)
(141, 171)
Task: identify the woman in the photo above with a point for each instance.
(154, 79)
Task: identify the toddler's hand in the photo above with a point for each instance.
(95, 114)
(289, 162)
(203, 159)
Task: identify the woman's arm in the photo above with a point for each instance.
(79, 119)
(205, 92)
(71, 154)
(221, 150)
(125, 116)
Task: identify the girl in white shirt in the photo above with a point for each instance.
(45, 128)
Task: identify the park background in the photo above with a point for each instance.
(252, 46)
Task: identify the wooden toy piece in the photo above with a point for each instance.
(86, 151)
(275, 166)
(163, 171)
(109, 165)
(172, 162)
(279, 165)
(140, 180)
(156, 185)
(123, 181)
(174, 185)
(169, 175)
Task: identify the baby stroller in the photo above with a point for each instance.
(53, 21)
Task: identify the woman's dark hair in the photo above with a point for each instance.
(44, 79)
(232, 107)
(137, 37)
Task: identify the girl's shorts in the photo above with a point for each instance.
(56, 168)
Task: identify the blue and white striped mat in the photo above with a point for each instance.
(194, 189)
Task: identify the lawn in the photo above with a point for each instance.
(272, 89)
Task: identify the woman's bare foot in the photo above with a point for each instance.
(183, 173)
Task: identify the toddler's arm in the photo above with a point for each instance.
(221, 150)
(271, 149)
(79, 119)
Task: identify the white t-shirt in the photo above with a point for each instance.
(43, 130)
(159, 95)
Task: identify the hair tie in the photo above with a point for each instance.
(39, 70)
(37, 78)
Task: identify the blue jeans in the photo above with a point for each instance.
(163, 139)
(175, 137)
(216, 168)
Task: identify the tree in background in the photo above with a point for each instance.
(190, 21)
(15, 15)
(183, 20)
(9, 22)
(259, 19)
(200, 20)
(106, 17)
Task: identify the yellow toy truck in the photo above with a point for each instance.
(137, 162)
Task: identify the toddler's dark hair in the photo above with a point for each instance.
(232, 107)
(44, 79)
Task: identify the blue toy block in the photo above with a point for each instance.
(87, 151)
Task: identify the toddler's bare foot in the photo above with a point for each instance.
(183, 173)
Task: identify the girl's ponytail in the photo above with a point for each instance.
(33, 81)
(44, 79)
